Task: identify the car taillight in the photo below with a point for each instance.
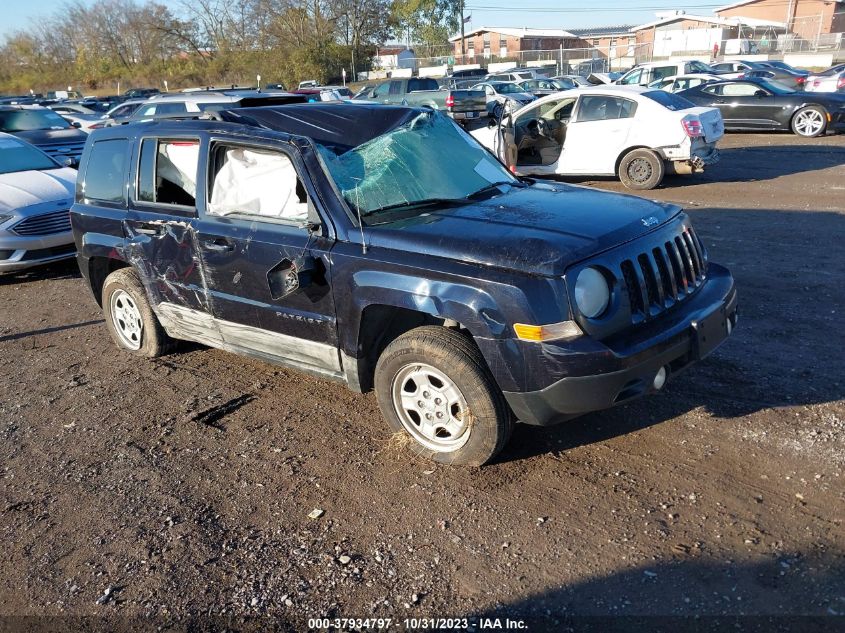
(96, 126)
(450, 101)
(841, 83)
(742, 76)
(692, 126)
(800, 80)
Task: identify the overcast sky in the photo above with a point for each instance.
(562, 14)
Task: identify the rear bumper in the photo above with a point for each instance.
(20, 253)
(470, 114)
(625, 376)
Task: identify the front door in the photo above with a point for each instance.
(256, 238)
(745, 104)
(597, 134)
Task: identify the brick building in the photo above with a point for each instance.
(502, 42)
(616, 44)
(808, 19)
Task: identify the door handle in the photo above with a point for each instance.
(219, 245)
(149, 229)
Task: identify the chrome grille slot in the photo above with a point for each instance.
(43, 224)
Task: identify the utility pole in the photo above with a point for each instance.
(463, 37)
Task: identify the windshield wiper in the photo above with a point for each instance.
(426, 202)
(494, 185)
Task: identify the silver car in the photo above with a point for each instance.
(35, 197)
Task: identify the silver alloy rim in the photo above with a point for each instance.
(126, 318)
(640, 170)
(809, 122)
(431, 408)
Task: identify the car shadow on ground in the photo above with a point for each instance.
(778, 591)
(789, 275)
(65, 269)
(745, 164)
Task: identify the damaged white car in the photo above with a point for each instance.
(637, 134)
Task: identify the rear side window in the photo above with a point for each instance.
(105, 174)
(603, 108)
(395, 87)
(167, 172)
(661, 72)
(669, 100)
(421, 84)
(171, 108)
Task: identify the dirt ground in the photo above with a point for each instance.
(181, 487)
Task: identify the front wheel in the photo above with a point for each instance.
(433, 385)
(641, 169)
(809, 122)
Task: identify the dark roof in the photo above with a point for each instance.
(327, 123)
(599, 31)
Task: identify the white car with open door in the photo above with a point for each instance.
(637, 134)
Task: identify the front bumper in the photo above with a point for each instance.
(627, 369)
(20, 253)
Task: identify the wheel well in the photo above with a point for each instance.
(628, 150)
(380, 326)
(98, 269)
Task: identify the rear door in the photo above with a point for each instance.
(597, 134)
(256, 244)
(161, 234)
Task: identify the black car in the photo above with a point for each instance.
(383, 247)
(775, 63)
(758, 104)
(787, 78)
(45, 129)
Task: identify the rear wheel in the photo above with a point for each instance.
(129, 318)
(433, 385)
(809, 122)
(641, 169)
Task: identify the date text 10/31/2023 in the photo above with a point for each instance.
(417, 624)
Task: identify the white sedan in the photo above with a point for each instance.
(831, 80)
(637, 134)
(35, 197)
(676, 83)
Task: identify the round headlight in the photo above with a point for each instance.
(592, 294)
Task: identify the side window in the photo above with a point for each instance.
(633, 77)
(395, 87)
(171, 108)
(167, 172)
(712, 90)
(603, 108)
(256, 182)
(148, 111)
(105, 174)
(662, 72)
(739, 90)
(381, 90)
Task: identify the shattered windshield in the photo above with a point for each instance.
(429, 160)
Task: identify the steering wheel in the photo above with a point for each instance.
(533, 128)
(542, 127)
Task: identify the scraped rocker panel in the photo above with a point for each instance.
(193, 325)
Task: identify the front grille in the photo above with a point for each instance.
(58, 150)
(658, 279)
(43, 224)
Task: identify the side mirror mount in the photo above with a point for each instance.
(75, 124)
(761, 93)
(288, 276)
(70, 161)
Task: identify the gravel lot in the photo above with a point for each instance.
(181, 487)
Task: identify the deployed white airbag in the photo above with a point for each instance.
(257, 183)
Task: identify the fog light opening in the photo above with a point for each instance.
(659, 379)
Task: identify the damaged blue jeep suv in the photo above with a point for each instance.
(383, 247)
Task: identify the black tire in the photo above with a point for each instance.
(641, 169)
(809, 122)
(457, 358)
(152, 340)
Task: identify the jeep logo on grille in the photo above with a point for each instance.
(650, 221)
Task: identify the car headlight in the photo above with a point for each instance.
(592, 293)
(5, 218)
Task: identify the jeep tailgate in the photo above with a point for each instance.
(469, 101)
